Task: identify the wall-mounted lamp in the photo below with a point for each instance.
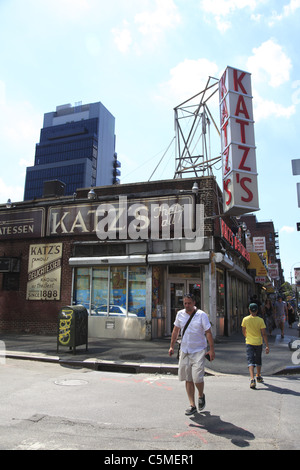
(195, 188)
(92, 196)
(9, 204)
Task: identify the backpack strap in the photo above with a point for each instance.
(188, 322)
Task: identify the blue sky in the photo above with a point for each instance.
(141, 58)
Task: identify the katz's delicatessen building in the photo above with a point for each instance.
(129, 253)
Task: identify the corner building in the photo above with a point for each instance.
(128, 254)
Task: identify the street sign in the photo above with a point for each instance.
(296, 167)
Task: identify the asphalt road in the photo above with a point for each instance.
(51, 407)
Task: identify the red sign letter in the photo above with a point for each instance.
(238, 81)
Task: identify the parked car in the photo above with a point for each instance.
(114, 311)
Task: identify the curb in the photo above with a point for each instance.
(106, 366)
(127, 367)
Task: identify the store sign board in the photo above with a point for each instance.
(273, 270)
(165, 217)
(240, 189)
(259, 244)
(228, 235)
(297, 276)
(44, 272)
(26, 223)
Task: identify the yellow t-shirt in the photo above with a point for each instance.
(253, 326)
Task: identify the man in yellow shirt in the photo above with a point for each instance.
(254, 329)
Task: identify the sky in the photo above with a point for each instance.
(141, 59)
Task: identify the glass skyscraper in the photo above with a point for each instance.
(77, 148)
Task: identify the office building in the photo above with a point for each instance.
(76, 150)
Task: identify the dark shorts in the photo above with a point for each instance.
(253, 355)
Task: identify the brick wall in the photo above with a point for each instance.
(38, 317)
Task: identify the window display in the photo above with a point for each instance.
(111, 291)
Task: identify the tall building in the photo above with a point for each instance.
(76, 150)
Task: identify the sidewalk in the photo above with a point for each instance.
(132, 356)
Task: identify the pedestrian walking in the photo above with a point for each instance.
(268, 315)
(193, 350)
(280, 314)
(254, 329)
(291, 314)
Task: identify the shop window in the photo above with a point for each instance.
(117, 294)
(99, 290)
(11, 281)
(82, 287)
(137, 291)
(111, 291)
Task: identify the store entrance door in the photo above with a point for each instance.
(177, 288)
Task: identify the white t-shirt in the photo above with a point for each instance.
(194, 338)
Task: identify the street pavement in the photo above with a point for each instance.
(79, 401)
(121, 355)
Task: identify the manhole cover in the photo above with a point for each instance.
(132, 357)
(71, 382)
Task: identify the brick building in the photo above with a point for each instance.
(127, 253)
(269, 255)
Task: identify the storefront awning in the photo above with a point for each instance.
(232, 268)
(187, 257)
(257, 264)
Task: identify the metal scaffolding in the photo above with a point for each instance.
(192, 127)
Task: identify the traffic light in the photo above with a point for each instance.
(298, 226)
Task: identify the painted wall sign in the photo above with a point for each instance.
(44, 272)
(240, 189)
(137, 218)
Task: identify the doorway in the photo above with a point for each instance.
(177, 288)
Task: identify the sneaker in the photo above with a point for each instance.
(252, 383)
(259, 379)
(201, 403)
(191, 410)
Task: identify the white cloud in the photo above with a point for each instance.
(12, 192)
(287, 11)
(265, 108)
(19, 132)
(122, 37)
(164, 17)
(150, 25)
(221, 10)
(270, 63)
(287, 229)
(187, 79)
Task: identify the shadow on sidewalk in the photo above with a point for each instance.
(215, 425)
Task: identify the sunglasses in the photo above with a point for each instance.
(189, 296)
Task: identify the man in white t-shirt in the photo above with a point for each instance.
(193, 350)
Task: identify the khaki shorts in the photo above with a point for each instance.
(191, 366)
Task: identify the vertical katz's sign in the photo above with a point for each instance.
(240, 191)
